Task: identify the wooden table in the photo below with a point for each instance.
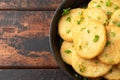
(24, 43)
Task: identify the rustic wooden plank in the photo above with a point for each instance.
(29, 4)
(36, 74)
(24, 39)
(33, 74)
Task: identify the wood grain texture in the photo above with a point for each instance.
(29, 4)
(24, 39)
(33, 74)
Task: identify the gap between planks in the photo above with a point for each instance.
(27, 9)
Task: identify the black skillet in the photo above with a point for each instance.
(55, 39)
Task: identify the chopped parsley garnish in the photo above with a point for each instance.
(118, 24)
(80, 20)
(80, 13)
(96, 62)
(96, 38)
(109, 13)
(98, 6)
(82, 29)
(67, 51)
(101, 1)
(88, 31)
(108, 3)
(113, 22)
(68, 19)
(108, 43)
(113, 34)
(106, 22)
(68, 31)
(82, 68)
(116, 8)
(66, 11)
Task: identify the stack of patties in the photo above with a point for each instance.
(92, 39)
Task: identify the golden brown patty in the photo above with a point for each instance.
(95, 14)
(90, 39)
(67, 50)
(66, 23)
(89, 68)
(115, 18)
(113, 74)
(111, 53)
(108, 6)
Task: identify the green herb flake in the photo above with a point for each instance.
(80, 13)
(109, 13)
(113, 22)
(113, 34)
(80, 20)
(98, 6)
(106, 22)
(101, 1)
(82, 29)
(96, 38)
(88, 31)
(108, 43)
(108, 3)
(116, 8)
(68, 19)
(66, 11)
(96, 62)
(68, 31)
(82, 68)
(118, 24)
(67, 51)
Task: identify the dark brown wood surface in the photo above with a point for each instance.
(24, 40)
(29, 4)
(33, 74)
